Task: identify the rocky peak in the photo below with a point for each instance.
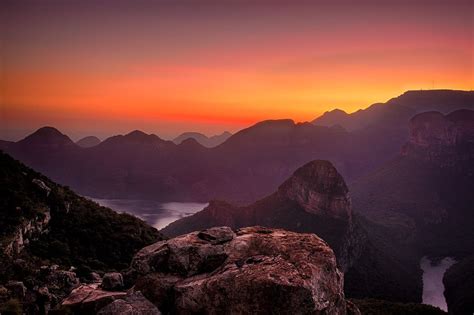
(319, 189)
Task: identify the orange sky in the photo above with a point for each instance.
(102, 68)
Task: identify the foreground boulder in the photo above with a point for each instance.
(252, 270)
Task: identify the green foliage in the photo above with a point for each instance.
(380, 307)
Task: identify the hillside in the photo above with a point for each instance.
(51, 222)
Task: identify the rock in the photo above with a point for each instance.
(181, 255)
(319, 189)
(158, 288)
(217, 235)
(62, 279)
(112, 281)
(42, 186)
(133, 304)
(89, 299)
(94, 277)
(17, 289)
(352, 309)
(28, 230)
(254, 270)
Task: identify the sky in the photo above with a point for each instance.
(169, 66)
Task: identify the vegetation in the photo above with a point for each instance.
(80, 232)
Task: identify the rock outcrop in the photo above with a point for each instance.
(112, 281)
(319, 189)
(445, 139)
(27, 231)
(253, 270)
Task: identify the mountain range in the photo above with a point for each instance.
(202, 139)
(246, 167)
(418, 204)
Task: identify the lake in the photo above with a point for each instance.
(155, 213)
(433, 286)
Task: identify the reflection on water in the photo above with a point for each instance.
(433, 287)
(154, 213)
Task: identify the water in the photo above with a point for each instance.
(433, 287)
(155, 213)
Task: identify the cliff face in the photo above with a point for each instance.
(423, 198)
(26, 232)
(443, 139)
(319, 189)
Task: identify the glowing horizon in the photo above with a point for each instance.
(102, 68)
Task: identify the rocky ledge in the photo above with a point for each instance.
(253, 270)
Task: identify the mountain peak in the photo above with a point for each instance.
(137, 134)
(319, 188)
(47, 136)
(134, 137)
(202, 139)
(275, 123)
(88, 142)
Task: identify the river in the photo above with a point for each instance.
(433, 287)
(155, 213)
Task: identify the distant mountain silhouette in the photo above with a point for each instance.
(246, 167)
(398, 110)
(208, 142)
(47, 137)
(88, 142)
